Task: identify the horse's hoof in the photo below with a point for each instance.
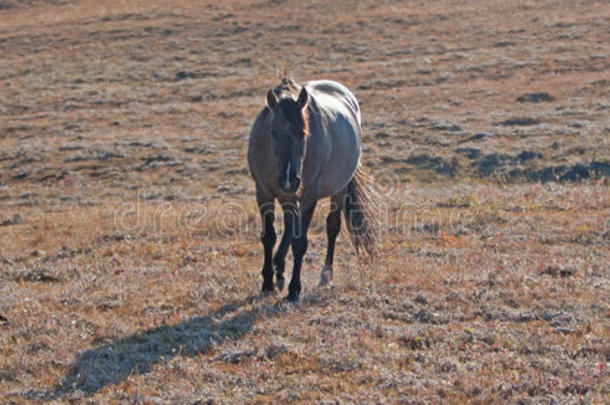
(326, 276)
(324, 282)
(293, 297)
(279, 281)
(268, 288)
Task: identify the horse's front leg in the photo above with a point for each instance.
(299, 244)
(266, 207)
(279, 260)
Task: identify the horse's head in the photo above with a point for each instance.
(289, 130)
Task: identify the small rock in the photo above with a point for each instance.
(511, 302)
(21, 175)
(65, 148)
(446, 126)
(471, 153)
(420, 299)
(63, 252)
(230, 190)
(564, 331)
(185, 74)
(203, 149)
(275, 350)
(109, 304)
(520, 121)
(503, 43)
(525, 317)
(209, 401)
(561, 271)
(236, 357)
(41, 275)
(14, 220)
(448, 366)
(436, 140)
(535, 98)
(477, 137)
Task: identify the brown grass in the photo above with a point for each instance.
(129, 252)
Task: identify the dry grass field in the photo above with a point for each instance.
(129, 253)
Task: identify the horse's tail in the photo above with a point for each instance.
(359, 211)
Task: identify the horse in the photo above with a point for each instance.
(305, 145)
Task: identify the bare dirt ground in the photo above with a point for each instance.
(129, 253)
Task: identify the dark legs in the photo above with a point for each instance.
(290, 216)
(299, 245)
(266, 208)
(333, 226)
(297, 221)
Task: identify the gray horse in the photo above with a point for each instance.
(304, 146)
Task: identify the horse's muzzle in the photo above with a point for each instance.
(290, 184)
(290, 181)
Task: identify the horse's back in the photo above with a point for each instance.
(339, 122)
(330, 92)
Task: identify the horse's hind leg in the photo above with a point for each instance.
(266, 207)
(333, 227)
(279, 260)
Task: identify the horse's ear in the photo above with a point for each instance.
(303, 98)
(271, 99)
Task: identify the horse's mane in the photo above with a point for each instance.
(289, 89)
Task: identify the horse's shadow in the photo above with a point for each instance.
(113, 362)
